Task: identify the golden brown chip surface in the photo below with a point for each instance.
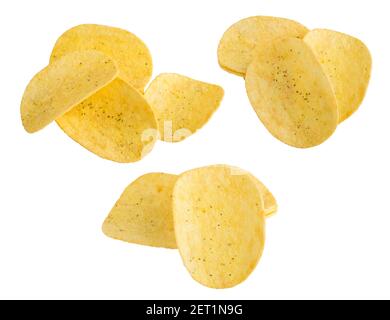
(347, 63)
(143, 214)
(219, 225)
(116, 123)
(129, 52)
(62, 85)
(269, 201)
(237, 47)
(182, 105)
(291, 94)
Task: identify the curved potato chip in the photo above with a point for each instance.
(270, 204)
(219, 231)
(143, 214)
(237, 47)
(182, 105)
(347, 63)
(130, 53)
(268, 199)
(116, 123)
(291, 94)
(64, 84)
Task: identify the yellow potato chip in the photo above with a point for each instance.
(269, 201)
(219, 225)
(64, 84)
(291, 94)
(116, 123)
(347, 62)
(182, 105)
(237, 46)
(130, 53)
(143, 214)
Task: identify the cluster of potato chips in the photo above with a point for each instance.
(301, 83)
(214, 215)
(94, 89)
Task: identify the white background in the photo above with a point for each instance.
(331, 237)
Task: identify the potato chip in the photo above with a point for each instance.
(291, 94)
(116, 123)
(347, 62)
(269, 201)
(219, 225)
(130, 53)
(182, 105)
(237, 46)
(64, 84)
(143, 214)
